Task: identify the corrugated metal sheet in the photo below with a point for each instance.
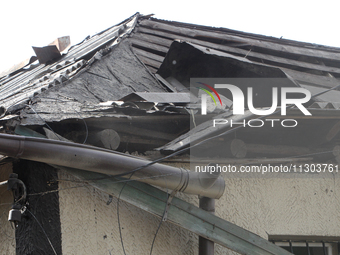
(33, 79)
(309, 64)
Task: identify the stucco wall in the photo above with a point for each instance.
(283, 206)
(274, 206)
(89, 225)
(7, 233)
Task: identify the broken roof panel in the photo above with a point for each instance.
(117, 74)
(305, 62)
(187, 62)
(24, 84)
(309, 64)
(106, 68)
(47, 53)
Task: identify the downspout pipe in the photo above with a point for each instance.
(206, 246)
(109, 162)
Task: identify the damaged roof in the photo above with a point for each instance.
(311, 65)
(138, 72)
(305, 62)
(37, 77)
(128, 85)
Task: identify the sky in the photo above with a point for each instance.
(24, 24)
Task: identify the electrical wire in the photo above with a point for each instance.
(42, 230)
(163, 217)
(154, 162)
(57, 190)
(149, 164)
(118, 218)
(161, 221)
(119, 181)
(164, 175)
(1, 204)
(84, 182)
(158, 228)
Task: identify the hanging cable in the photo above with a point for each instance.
(42, 230)
(160, 223)
(163, 216)
(158, 228)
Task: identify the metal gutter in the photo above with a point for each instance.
(104, 161)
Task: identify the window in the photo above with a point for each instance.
(309, 248)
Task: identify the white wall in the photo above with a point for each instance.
(89, 226)
(274, 206)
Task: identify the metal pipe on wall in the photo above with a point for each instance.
(109, 162)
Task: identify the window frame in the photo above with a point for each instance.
(329, 246)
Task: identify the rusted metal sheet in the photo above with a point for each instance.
(62, 43)
(47, 53)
